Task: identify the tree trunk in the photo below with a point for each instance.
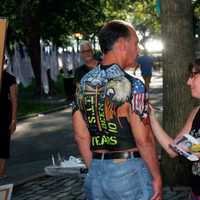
(34, 51)
(176, 27)
(32, 30)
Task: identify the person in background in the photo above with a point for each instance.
(109, 121)
(8, 111)
(89, 62)
(192, 126)
(87, 56)
(146, 63)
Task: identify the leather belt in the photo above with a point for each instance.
(116, 155)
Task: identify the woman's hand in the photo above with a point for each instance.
(197, 154)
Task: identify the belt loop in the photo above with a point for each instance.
(102, 156)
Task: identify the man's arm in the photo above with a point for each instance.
(13, 97)
(146, 146)
(157, 184)
(82, 137)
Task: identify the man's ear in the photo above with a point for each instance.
(121, 44)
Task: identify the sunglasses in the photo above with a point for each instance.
(86, 51)
(193, 74)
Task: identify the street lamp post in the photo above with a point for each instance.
(78, 36)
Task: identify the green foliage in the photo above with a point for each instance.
(27, 108)
(145, 19)
(56, 20)
(196, 7)
(196, 17)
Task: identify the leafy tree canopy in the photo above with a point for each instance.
(146, 19)
(57, 20)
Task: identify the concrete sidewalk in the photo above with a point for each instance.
(37, 138)
(71, 188)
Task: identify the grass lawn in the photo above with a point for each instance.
(34, 107)
(29, 104)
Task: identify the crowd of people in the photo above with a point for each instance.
(114, 124)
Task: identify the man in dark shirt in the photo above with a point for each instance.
(87, 55)
(110, 121)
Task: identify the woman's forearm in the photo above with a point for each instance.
(163, 138)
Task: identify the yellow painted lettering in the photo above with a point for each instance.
(91, 119)
(89, 99)
(113, 140)
(112, 127)
(97, 140)
(93, 141)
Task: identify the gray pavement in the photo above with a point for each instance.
(37, 138)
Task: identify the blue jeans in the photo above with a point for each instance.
(129, 180)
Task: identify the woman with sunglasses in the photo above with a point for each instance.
(192, 126)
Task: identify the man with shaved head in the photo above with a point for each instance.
(111, 126)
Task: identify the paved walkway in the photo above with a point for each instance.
(70, 188)
(36, 139)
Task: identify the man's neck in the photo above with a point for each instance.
(91, 63)
(110, 58)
